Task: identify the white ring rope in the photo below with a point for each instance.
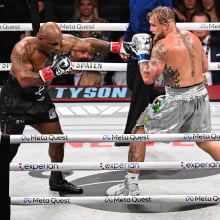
(94, 66)
(168, 165)
(214, 26)
(64, 138)
(111, 200)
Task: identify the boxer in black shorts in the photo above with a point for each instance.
(24, 98)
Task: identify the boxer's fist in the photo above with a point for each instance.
(143, 45)
(126, 48)
(61, 64)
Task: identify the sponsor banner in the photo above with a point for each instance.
(201, 136)
(62, 138)
(15, 26)
(46, 200)
(90, 93)
(196, 199)
(128, 199)
(119, 165)
(200, 165)
(38, 166)
(105, 26)
(68, 200)
(38, 138)
(5, 66)
(210, 26)
(104, 93)
(203, 198)
(126, 137)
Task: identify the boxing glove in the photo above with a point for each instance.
(143, 45)
(61, 64)
(126, 48)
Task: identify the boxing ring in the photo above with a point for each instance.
(202, 202)
(168, 165)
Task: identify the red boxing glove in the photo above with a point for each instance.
(126, 48)
(61, 64)
(115, 47)
(46, 73)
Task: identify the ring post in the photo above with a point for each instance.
(4, 145)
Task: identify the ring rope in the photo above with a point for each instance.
(94, 66)
(64, 138)
(110, 200)
(168, 165)
(211, 26)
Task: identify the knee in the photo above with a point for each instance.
(138, 130)
(56, 146)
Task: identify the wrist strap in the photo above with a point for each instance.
(143, 57)
(115, 47)
(46, 74)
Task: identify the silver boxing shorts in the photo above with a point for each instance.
(181, 110)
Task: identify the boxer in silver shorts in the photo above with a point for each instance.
(177, 55)
(180, 110)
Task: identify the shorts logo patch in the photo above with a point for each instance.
(52, 114)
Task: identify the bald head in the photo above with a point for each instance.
(49, 30)
(49, 38)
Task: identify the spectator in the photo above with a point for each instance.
(39, 12)
(115, 11)
(11, 11)
(211, 46)
(86, 11)
(82, 78)
(62, 10)
(212, 7)
(184, 9)
(141, 94)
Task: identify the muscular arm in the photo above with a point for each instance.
(22, 68)
(152, 69)
(91, 45)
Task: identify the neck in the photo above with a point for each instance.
(212, 15)
(172, 29)
(86, 18)
(212, 9)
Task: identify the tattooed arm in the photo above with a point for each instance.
(152, 69)
(23, 68)
(91, 45)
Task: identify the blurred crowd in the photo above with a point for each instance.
(101, 11)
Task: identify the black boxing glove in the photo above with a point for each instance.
(61, 64)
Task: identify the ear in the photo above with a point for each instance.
(166, 25)
(39, 37)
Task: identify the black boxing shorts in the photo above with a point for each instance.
(18, 110)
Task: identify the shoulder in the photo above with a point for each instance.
(160, 49)
(161, 44)
(69, 37)
(68, 42)
(26, 45)
(188, 34)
